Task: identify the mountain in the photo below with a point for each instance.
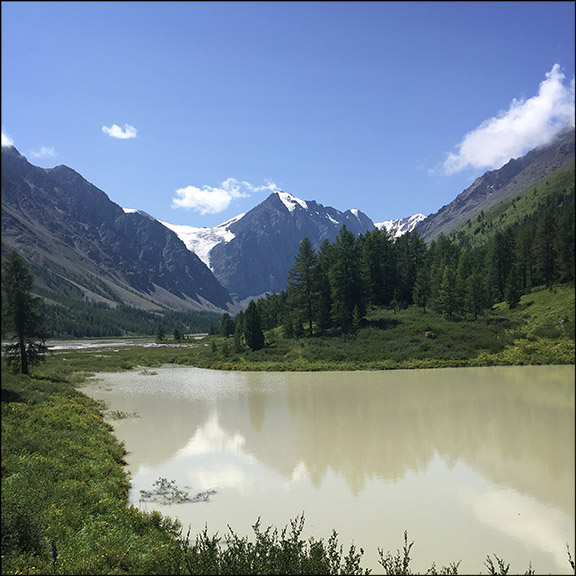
(401, 225)
(202, 240)
(252, 254)
(513, 179)
(80, 244)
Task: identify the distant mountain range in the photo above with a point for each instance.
(401, 225)
(81, 245)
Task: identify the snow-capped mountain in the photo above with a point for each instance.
(252, 253)
(401, 225)
(202, 240)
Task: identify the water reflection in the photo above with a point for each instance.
(458, 456)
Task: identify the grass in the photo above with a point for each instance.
(514, 210)
(64, 487)
(539, 331)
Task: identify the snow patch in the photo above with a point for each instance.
(202, 240)
(400, 225)
(136, 211)
(291, 201)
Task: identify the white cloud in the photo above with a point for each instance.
(525, 125)
(44, 152)
(123, 133)
(6, 140)
(215, 199)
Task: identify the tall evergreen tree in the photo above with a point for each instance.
(160, 333)
(252, 327)
(545, 248)
(525, 255)
(501, 258)
(449, 301)
(346, 280)
(475, 296)
(411, 252)
(421, 290)
(379, 261)
(302, 283)
(565, 241)
(22, 316)
(442, 252)
(513, 288)
(324, 304)
(238, 331)
(226, 325)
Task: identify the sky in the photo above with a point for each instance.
(194, 112)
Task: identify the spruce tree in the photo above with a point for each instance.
(252, 327)
(160, 333)
(346, 280)
(324, 306)
(501, 258)
(545, 249)
(302, 283)
(226, 325)
(22, 317)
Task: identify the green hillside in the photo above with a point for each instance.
(552, 189)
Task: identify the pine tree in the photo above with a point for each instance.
(448, 298)
(411, 254)
(379, 262)
(226, 325)
(253, 328)
(475, 297)
(302, 283)
(421, 290)
(160, 333)
(501, 258)
(513, 288)
(545, 249)
(238, 331)
(346, 280)
(324, 305)
(22, 316)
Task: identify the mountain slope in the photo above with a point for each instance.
(261, 245)
(513, 179)
(202, 240)
(80, 244)
(401, 225)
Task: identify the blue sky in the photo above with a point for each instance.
(195, 111)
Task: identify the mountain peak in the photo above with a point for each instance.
(290, 201)
(400, 226)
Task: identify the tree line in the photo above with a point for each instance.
(331, 289)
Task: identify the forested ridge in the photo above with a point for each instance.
(331, 289)
(99, 320)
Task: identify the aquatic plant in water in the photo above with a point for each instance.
(166, 492)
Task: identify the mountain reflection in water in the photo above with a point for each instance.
(470, 461)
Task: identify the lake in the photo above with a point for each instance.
(470, 462)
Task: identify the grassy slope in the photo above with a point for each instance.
(539, 331)
(513, 211)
